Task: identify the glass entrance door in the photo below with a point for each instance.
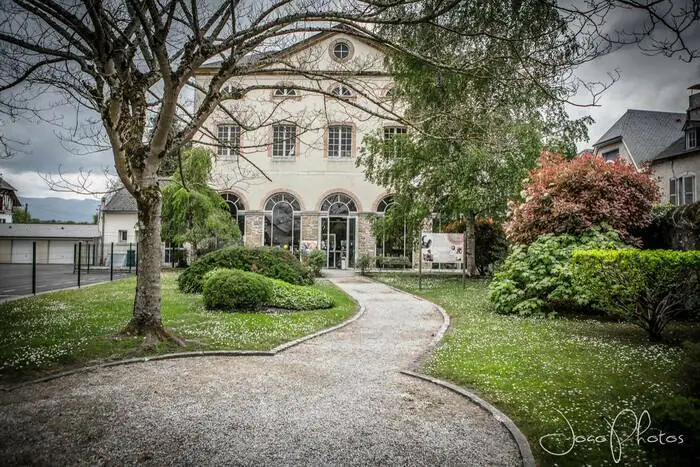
(338, 240)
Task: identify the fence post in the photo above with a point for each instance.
(80, 253)
(136, 259)
(111, 262)
(128, 258)
(75, 256)
(33, 268)
(87, 257)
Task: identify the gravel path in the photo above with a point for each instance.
(337, 399)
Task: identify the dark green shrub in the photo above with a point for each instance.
(538, 278)
(490, 245)
(271, 262)
(365, 263)
(393, 262)
(316, 259)
(646, 287)
(690, 368)
(298, 297)
(235, 290)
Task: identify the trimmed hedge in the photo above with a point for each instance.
(235, 290)
(647, 287)
(538, 278)
(271, 262)
(298, 297)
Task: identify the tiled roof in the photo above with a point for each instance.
(13, 192)
(6, 186)
(120, 201)
(646, 133)
(49, 230)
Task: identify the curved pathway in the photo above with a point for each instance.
(336, 399)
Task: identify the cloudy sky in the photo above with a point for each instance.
(646, 82)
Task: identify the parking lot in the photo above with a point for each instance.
(16, 279)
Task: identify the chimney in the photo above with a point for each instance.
(694, 102)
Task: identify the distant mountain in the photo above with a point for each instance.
(61, 209)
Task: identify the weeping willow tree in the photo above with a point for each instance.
(194, 212)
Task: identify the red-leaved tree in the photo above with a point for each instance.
(570, 196)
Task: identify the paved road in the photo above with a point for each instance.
(16, 279)
(337, 399)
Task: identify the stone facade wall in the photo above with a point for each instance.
(254, 225)
(366, 243)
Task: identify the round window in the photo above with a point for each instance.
(341, 50)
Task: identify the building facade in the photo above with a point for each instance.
(8, 201)
(668, 141)
(287, 150)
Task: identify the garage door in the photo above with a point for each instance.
(60, 252)
(21, 251)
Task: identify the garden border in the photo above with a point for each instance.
(520, 439)
(360, 311)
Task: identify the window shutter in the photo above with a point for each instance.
(689, 189)
(672, 192)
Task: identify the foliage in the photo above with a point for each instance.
(646, 287)
(673, 228)
(588, 369)
(570, 196)
(192, 211)
(316, 260)
(297, 297)
(539, 277)
(235, 290)
(75, 327)
(365, 262)
(393, 262)
(268, 261)
(22, 216)
(690, 368)
(676, 416)
(490, 246)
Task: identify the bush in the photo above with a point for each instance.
(316, 259)
(365, 263)
(298, 297)
(564, 196)
(676, 416)
(646, 287)
(393, 262)
(539, 278)
(271, 262)
(490, 245)
(235, 290)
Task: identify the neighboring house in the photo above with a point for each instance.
(55, 243)
(668, 141)
(118, 221)
(8, 201)
(317, 196)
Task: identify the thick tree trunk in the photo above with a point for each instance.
(470, 243)
(146, 320)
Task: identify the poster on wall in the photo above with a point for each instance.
(441, 247)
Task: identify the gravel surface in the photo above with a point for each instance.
(336, 399)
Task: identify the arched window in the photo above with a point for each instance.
(237, 209)
(285, 92)
(385, 204)
(338, 204)
(342, 92)
(282, 221)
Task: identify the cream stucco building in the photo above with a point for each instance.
(286, 150)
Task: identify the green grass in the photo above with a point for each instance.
(588, 369)
(74, 327)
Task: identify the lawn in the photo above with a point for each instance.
(75, 327)
(587, 369)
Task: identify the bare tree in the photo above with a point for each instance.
(132, 61)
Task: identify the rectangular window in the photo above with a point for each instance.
(229, 137)
(691, 138)
(611, 156)
(672, 195)
(2, 203)
(689, 189)
(2, 221)
(284, 142)
(122, 236)
(339, 141)
(391, 131)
